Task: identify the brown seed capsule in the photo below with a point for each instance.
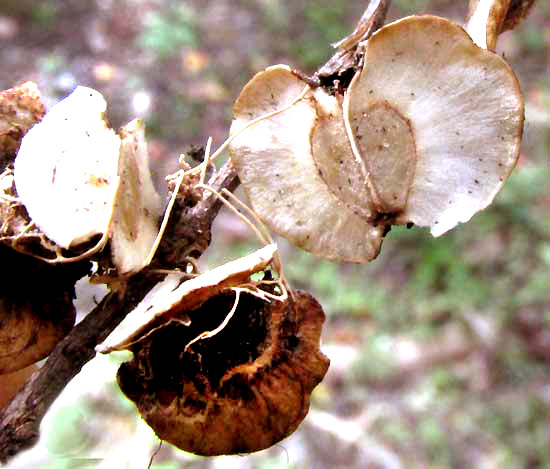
(36, 308)
(20, 108)
(242, 390)
(11, 383)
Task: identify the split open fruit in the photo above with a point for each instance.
(428, 131)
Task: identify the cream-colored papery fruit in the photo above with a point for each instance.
(436, 121)
(78, 179)
(66, 170)
(485, 21)
(169, 298)
(138, 205)
(298, 169)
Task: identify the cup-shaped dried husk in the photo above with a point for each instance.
(245, 384)
(36, 308)
(240, 391)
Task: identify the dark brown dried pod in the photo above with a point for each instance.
(242, 390)
(36, 308)
(11, 383)
(517, 12)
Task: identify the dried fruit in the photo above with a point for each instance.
(11, 383)
(224, 364)
(20, 108)
(430, 130)
(443, 116)
(278, 161)
(82, 184)
(241, 391)
(33, 320)
(488, 18)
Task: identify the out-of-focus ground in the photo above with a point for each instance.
(440, 348)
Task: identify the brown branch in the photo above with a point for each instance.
(188, 234)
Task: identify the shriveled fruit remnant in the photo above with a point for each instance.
(242, 390)
(36, 307)
(20, 108)
(76, 184)
(429, 130)
(211, 382)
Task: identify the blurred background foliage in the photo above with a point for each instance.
(440, 348)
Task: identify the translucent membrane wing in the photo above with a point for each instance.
(459, 105)
(138, 205)
(295, 188)
(169, 298)
(344, 176)
(66, 170)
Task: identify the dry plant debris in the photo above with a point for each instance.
(20, 108)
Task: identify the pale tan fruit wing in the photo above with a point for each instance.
(344, 176)
(138, 206)
(66, 170)
(11, 383)
(275, 163)
(486, 20)
(170, 297)
(465, 113)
